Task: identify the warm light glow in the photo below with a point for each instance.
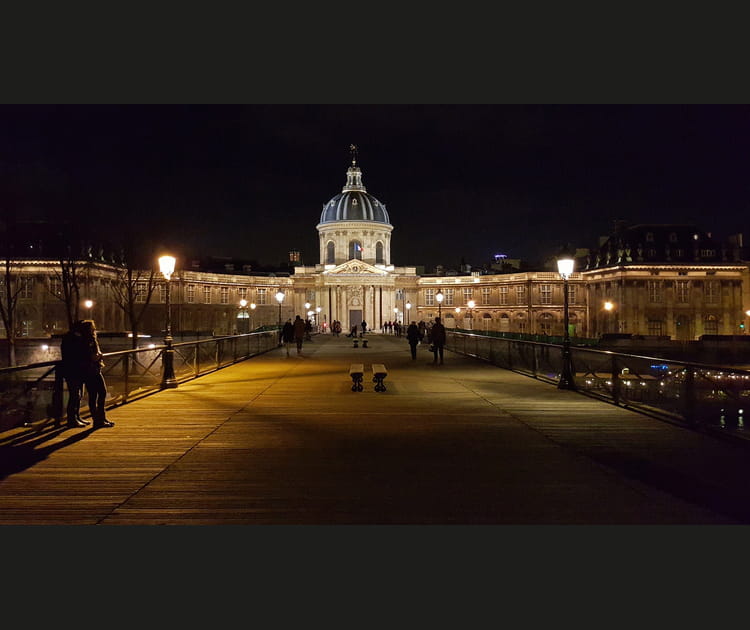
(307, 305)
(166, 265)
(565, 267)
(747, 313)
(280, 297)
(395, 309)
(252, 305)
(318, 309)
(471, 304)
(608, 306)
(310, 313)
(439, 297)
(408, 305)
(88, 303)
(45, 347)
(458, 310)
(243, 303)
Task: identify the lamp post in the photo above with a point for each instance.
(470, 305)
(458, 310)
(317, 317)
(252, 308)
(565, 265)
(280, 298)
(166, 266)
(395, 313)
(608, 306)
(89, 304)
(408, 311)
(243, 315)
(439, 297)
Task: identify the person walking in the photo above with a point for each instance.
(437, 339)
(96, 387)
(287, 335)
(299, 332)
(412, 336)
(73, 365)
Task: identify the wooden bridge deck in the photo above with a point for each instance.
(284, 440)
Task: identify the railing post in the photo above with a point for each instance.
(56, 406)
(534, 361)
(689, 395)
(615, 381)
(126, 375)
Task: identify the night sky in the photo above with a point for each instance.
(458, 181)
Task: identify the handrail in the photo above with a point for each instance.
(704, 396)
(29, 393)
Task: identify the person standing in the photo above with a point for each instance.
(96, 388)
(412, 336)
(299, 332)
(437, 339)
(73, 365)
(287, 335)
(363, 324)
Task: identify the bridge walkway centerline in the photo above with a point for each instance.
(284, 440)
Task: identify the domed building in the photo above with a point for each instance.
(355, 279)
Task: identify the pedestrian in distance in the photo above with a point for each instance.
(363, 325)
(287, 335)
(96, 387)
(75, 358)
(412, 336)
(299, 332)
(437, 339)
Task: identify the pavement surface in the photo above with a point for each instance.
(283, 439)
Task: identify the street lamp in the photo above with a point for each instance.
(470, 305)
(317, 316)
(395, 313)
(439, 297)
(565, 265)
(166, 266)
(408, 311)
(458, 310)
(89, 304)
(243, 314)
(252, 308)
(608, 306)
(280, 298)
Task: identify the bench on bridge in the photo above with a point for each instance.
(364, 343)
(356, 342)
(378, 376)
(357, 372)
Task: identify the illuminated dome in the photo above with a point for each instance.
(354, 203)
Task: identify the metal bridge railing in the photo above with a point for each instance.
(30, 393)
(699, 395)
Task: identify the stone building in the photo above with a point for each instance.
(658, 280)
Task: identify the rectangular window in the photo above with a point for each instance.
(449, 297)
(708, 253)
(503, 296)
(163, 293)
(26, 288)
(224, 295)
(683, 291)
(521, 294)
(468, 293)
(654, 291)
(399, 294)
(55, 286)
(207, 294)
(571, 294)
(545, 294)
(261, 297)
(140, 292)
(191, 294)
(485, 295)
(242, 293)
(429, 297)
(655, 327)
(712, 291)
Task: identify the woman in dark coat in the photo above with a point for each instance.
(412, 336)
(93, 378)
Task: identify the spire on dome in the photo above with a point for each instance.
(353, 151)
(353, 173)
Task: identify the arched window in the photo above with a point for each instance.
(330, 253)
(521, 322)
(355, 250)
(504, 323)
(545, 324)
(379, 253)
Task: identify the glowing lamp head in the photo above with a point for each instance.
(565, 266)
(408, 306)
(439, 297)
(88, 303)
(280, 297)
(252, 306)
(608, 306)
(243, 303)
(166, 265)
(471, 304)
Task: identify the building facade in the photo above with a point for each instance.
(659, 280)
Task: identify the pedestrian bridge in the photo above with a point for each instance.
(284, 440)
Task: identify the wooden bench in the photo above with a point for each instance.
(356, 342)
(364, 343)
(378, 376)
(357, 372)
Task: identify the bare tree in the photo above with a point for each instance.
(10, 288)
(132, 290)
